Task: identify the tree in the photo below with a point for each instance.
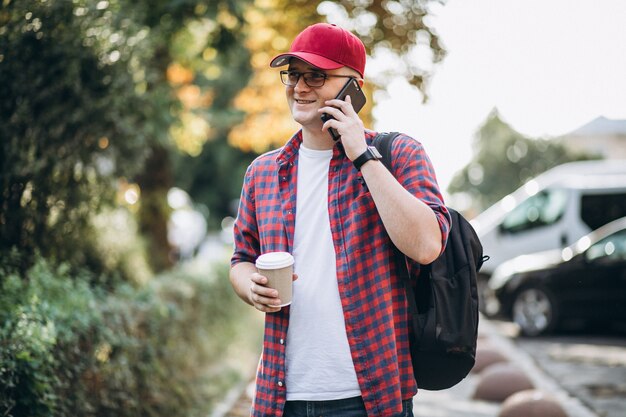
(200, 55)
(505, 160)
(67, 78)
(91, 106)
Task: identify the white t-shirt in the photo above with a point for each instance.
(319, 364)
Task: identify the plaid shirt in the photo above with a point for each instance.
(371, 292)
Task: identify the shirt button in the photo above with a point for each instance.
(280, 383)
(282, 341)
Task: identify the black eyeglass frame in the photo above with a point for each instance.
(284, 77)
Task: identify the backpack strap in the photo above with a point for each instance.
(383, 142)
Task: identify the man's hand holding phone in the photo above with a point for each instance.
(352, 89)
(347, 124)
(341, 119)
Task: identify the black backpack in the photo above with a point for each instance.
(443, 301)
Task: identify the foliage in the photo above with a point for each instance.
(209, 65)
(397, 29)
(67, 349)
(504, 160)
(39, 316)
(95, 96)
(67, 79)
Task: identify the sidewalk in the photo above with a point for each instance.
(457, 401)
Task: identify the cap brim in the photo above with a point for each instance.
(311, 59)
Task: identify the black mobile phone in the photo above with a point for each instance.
(352, 89)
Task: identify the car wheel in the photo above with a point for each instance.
(534, 311)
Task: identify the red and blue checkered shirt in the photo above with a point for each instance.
(372, 293)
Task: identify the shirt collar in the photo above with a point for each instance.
(289, 152)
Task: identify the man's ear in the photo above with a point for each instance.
(361, 82)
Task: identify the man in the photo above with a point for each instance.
(341, 348)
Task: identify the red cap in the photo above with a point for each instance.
(325, 46)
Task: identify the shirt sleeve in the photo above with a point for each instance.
(246, 233)
(413, 169)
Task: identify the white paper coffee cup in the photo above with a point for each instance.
(277, 267)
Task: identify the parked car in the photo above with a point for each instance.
(551, 211)
(584, 282)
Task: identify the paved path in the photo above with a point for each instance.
(591, 368)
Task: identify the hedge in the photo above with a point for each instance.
(169, 348)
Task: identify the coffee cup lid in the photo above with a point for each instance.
(274, 260)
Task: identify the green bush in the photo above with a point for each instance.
(44, 319)
(170, 348)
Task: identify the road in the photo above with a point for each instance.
(589, 365)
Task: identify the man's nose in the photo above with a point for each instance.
(301, 85)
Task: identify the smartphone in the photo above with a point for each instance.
(352, 89)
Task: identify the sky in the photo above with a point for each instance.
(548, 66)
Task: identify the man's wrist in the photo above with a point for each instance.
(370, 154)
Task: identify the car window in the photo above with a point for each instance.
(612, 247)
(599, 209)
(542, 209)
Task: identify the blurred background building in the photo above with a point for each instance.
(602, 136)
